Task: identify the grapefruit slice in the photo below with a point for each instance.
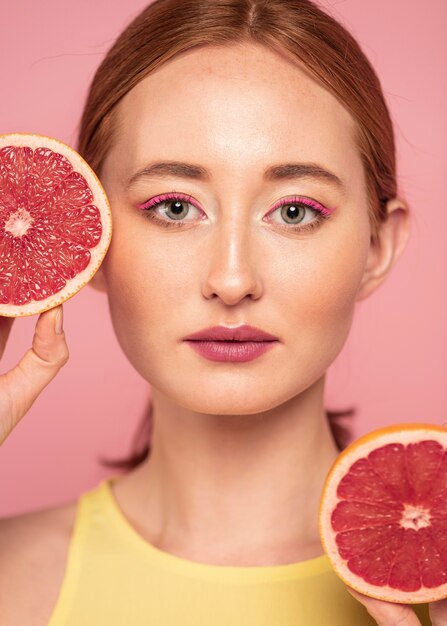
(55, 223)
(383, 514)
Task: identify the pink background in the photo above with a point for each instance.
(393, 366)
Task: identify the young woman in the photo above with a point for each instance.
(248, 155)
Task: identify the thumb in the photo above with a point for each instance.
(20, 387)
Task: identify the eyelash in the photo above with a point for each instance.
(322, 213)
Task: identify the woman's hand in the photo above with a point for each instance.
(391, 614)
(20, 386)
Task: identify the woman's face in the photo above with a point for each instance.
(225, 256)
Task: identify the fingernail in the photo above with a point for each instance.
(58, 322)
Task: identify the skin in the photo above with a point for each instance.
(241, 446)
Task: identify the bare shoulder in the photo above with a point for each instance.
(33, 555)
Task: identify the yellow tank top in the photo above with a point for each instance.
(114, 577)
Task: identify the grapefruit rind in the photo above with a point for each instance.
(100, 200)
(397, 433)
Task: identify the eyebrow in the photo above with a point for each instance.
(285, 171)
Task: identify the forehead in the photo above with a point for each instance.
(241, 106)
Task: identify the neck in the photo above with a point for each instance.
(234, 489)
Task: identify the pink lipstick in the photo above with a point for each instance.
(239, 344)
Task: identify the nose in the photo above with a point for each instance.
(231, 273)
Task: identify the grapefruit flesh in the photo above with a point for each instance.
(55, 223)
(383, 514)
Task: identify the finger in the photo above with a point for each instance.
(438, 612)
(387, 613)
(20, 386)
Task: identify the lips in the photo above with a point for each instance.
(225, 333)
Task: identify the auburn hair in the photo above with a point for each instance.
(299, 29)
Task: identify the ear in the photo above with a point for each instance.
(392, 239)
(98, 281)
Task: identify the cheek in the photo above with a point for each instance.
(321, 302)
(146, 279)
